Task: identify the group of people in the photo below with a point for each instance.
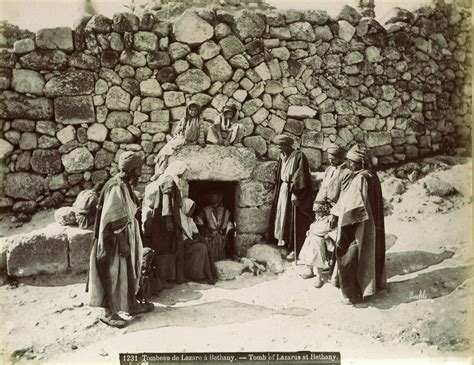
(143, 247)
(341, 232)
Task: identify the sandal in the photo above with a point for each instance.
(142, 308)
(114, 321)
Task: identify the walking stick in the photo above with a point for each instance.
(294, 234)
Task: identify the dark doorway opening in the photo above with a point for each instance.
(199, 191)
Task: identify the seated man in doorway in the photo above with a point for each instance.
(215, 224)
(225, 131)
(316, 251)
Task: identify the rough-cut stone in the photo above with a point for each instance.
(209, 50)
(173, 98)
(212, 162)
(24, 185)
(80, 245)
(158, 59)
(23, 46)
(46, 127)
(252, 220)
(257, 143)
(132, 58)
(74, 109)
(294, 126)
(191, 29)
(25, 206)
(24, 125)
(231, 46)
(55, 38)
(178, 50)
(118, 120)
(117, 99)
(84, 61)
(145, 41)
(346, 30)
(99, 24)
(46, 162)
(70, 84)
(281, 53)
(78, 160)
(103, 159)
(249, 24)
(27, 81)
(19, 106)
(254, 194)
(125, 22)
(218, 69)
(383, 109)
(323, 33)
(150, 87)
(39, 252)
(314, 157)
(349, 14)
(276, 123)
(228, 270)
(301, 112)
(251, 106)
(5, 149)
(193, 81)
(374, 139)
(302, 31)
(373, 54)
(312, 139)
(28, 141)
(268, 255)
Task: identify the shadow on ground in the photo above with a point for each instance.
(209, 314)
(402, 263)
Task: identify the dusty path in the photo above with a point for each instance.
(423, 316)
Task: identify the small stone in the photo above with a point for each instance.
(178, 50)
(151, 87)
(193, 81)
(117, 99)
(145, 41)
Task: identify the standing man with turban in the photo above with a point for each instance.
(315, 254)
(291, 213)
(360, 247)
(116, 256)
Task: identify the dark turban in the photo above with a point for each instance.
(283, 140)
(357, 153)
(231, 108)
(336, 151)
(129, 160)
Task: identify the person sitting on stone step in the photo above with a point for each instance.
(225, 131)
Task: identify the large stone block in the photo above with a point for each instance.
(24, 185)
(269, 255)
(19, 106)
(74, 109)
(42, 59)
(212, 162)
(249, 24)
(55, 38)
(265, 172)
(193, 81)
(80, 245)
(78, 160)
(254, 194)
(70, 84)
(252, 220)
(191, 29)
(46, 162)
(27, 81)
(43, 251)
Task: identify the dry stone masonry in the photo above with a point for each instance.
(74, 100)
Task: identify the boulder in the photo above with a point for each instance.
(191, 29)
(39, 252)
(55, 38)
(65, 216)
(249, 24)
(19, 106)
(173, 98)
(212, 162)
(193, 81)
(74, 109)
(252, 220)
(46, 162)
(80, 245)
(70, 84)
(268, 255)
(78, 160)
(437, 187)
(228, 270)
(24, 185)
(27, 81)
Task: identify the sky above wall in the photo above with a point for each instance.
(37, 14)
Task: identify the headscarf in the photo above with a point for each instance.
(336, 151)
(357, 153)
(231, 108)
(187, 222)
(283, 140)
(129, 160)
(174, 169)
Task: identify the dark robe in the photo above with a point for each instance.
(360, 250)
(302, 216)
(168, 245)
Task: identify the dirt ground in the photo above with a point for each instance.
(423, 317)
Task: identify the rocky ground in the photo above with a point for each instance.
(423, 316)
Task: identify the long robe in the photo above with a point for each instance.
(360, 247)
(315, 251)
(296, 219)
(216, 225)
(113, 279)
(163, 202)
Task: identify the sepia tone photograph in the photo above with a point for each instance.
(236, 182)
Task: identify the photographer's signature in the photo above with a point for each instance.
(421, 295)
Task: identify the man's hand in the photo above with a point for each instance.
(294, 200)
(332, 221)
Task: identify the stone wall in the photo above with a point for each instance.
(74, 100)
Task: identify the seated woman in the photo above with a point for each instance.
(225, 131)
(85, 206)
(188, 131)
(197, 264)
(215, 224)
